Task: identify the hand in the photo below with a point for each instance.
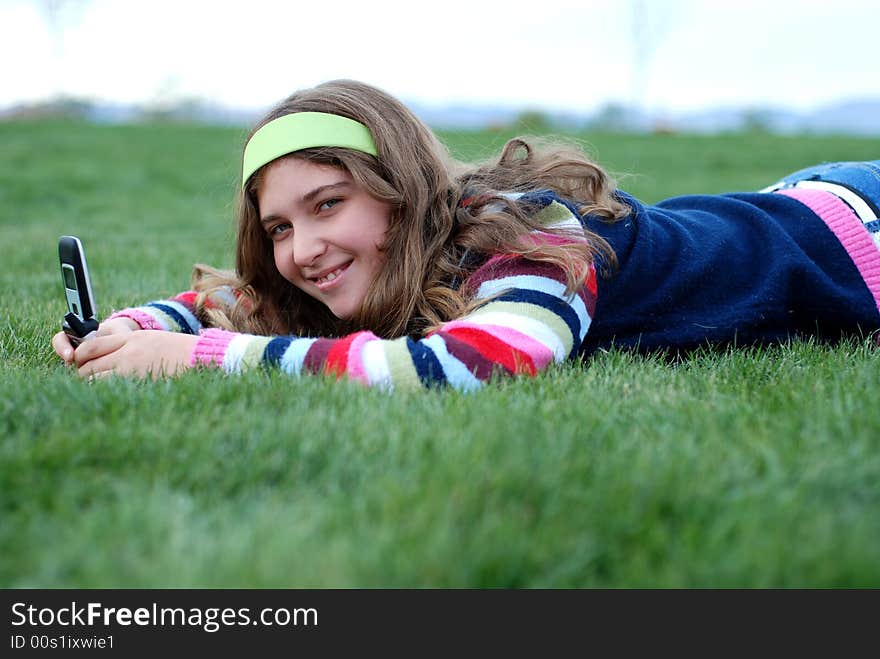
(144, 353)
(64, 348)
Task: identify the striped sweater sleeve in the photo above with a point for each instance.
(174, 315)
(526, 322)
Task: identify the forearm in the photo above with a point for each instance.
(527, 323)
(174, 315)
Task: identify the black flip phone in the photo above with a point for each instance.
(81, 321)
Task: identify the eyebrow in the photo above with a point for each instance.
(309, 196)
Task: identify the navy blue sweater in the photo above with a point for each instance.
(737, 268)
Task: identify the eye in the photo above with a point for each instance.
(276, 231)
(328, 204)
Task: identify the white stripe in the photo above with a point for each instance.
(160, 318)
(293, 358)
(376, 364)
(571, 226)
(496, 206)
(235, 352)
(856, 202)
(190, 319)
(542, 285)
(532, 328)
(457, 374)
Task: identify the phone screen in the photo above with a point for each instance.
(69, 277)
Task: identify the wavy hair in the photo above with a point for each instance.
(433, 239)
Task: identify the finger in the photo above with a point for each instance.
(98, 347)
(63, 348)
(97, 368)
(101, 375)
(117, 326)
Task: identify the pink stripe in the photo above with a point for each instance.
(850, 231)
(211, 347)
(541, 355)
(145, 320)
(356, 368)
(498, 258)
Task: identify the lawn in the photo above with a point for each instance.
(757, 467)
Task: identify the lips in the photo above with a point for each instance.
(328, 278)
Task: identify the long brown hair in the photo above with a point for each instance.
(432, 237)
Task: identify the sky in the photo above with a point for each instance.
(665, 55)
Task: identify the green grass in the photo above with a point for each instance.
(734, 468)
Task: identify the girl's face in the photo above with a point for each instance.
(326, 231)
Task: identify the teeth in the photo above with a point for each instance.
(333, 275)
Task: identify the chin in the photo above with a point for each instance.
(343, 314)
(345, 309)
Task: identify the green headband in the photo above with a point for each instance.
(303, 130)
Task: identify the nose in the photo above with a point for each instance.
(308, 245)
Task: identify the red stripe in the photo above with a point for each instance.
(464, 352)
(316, 355)
(513, 265)
(591, 284)
(496, 350)
(337, 357)
(188, 298)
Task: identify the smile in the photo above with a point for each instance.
(331, 279)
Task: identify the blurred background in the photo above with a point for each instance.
(780, 66)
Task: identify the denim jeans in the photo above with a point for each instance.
(862, 177)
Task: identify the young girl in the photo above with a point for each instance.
(365, 251)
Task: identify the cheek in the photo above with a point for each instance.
(378, 240)
(374, 258)
(282, 261)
